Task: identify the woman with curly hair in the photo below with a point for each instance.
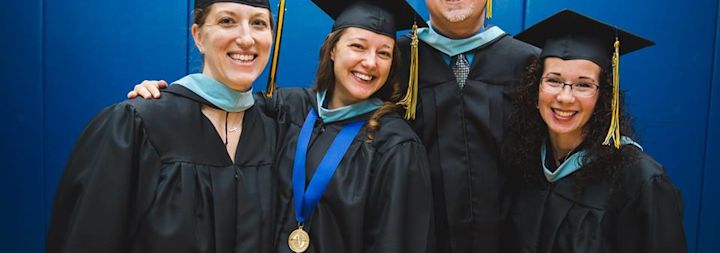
(579, 187)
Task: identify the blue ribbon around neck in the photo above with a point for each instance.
(307, 200)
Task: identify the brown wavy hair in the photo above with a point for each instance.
(389, 93)
(528, 132)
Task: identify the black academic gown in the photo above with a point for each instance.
(462, 130)
(378, 199)
(555, 218)
(154, 176)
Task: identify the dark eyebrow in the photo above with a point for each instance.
(581, 77)
(554, 73)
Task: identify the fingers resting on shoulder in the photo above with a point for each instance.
(148, 89)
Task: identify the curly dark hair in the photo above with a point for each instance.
(389, 93)
(528, 131)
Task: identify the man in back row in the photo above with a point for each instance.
(466, 73)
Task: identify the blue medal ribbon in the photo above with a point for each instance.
(307, 200)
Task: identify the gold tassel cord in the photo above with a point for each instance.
(276, 51)
(409, 102)
(488, 9)
(614, 131)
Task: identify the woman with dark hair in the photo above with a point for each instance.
(189, 172)
(578, 186)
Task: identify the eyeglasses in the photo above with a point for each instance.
(555, 85)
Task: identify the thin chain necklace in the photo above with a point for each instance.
(559, 162)
(233, 130)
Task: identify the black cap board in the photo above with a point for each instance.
(570, 35)
(383, 17)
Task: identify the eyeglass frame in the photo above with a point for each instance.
(573, 86)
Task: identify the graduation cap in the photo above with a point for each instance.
(383, 17)
(569, 35)
(257, 3)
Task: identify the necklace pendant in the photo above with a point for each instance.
(299, 240)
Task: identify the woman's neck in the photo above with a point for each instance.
(564, 144)
(239, 87)
(335, 101)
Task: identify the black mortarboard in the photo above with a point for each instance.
(383, 17)
(257, 3)
(570, 35)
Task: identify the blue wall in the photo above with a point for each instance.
(66, 60)
(22, 174)
(709, 220)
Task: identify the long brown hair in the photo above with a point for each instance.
(389, 93)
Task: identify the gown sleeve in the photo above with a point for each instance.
(652, 221)
(401, 202)
(99, 195)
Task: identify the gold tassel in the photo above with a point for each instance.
(276, 51)
(488, 9)
(614, 131)
(409, 102)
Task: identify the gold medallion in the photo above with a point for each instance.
(299, 240)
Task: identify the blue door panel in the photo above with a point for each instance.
(22, 228)
(709, 227)
(93, 52)
(508, 15)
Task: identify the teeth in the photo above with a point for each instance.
(364, 77)
(563, 113)
(242, 57)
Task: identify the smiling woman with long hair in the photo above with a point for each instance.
(375, 196)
